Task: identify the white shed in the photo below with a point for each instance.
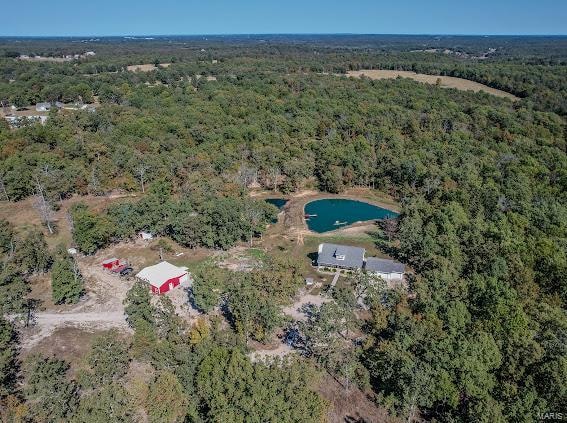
(146, 236)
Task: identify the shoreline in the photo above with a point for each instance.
(294, 210)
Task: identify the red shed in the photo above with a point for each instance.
(110, 263)
(163, 276)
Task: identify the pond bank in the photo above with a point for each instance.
(294, 217)
(330, 214)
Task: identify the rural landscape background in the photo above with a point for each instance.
(204, 152)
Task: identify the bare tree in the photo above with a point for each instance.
(254, 216)
(141, 171)
(247, 175)
(390, 227)
(275, 174)
(76, 271)
(42, 206)
(94, 185)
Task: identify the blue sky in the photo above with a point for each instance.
(167, 17)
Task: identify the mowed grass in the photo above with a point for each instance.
(445, 81)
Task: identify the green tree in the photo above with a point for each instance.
(167, 401)
(13, 289)
(140, 315)
(234, 389)
(6, 237)
(110, 403)
(90, 231)
(208, 285)
(8, 358)
(66, 281)
(108, 359)
(251, 311)
(32, 253)
(50, 396)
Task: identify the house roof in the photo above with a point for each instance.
(374, 264)
(45, 104)
(340, 255)
(110, 260)
(160, 273)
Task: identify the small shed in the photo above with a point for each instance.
(146, 236)
(43, 107)
(163, 276)
(110, 263)
(308, 281)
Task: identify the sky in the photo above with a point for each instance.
(188, 17)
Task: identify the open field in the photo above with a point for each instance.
(146, 67)
(446, 81)
(24, 217)
(46, 59)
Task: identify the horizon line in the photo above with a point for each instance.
(289, 34)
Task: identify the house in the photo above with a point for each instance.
(146, 236)
(42, 107)
(163, 276)
(389, 270)
(110, 263)
(340, 256)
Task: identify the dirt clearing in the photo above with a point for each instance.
(445, 81)
(351, 405)
(147, 67)
(295, 310)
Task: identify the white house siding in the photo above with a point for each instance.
(390, 276)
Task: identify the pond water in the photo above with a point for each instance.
(278, 202)
(331, 214)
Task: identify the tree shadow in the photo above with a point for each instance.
(354, 419)
(313, 257)
(382, 241)
(191, 300)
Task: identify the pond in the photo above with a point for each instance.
(278, 202)
(331, 214)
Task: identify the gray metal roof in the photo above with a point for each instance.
(374, 264)
(340, 255)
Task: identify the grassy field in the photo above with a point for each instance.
(146, 67)
(445, 81)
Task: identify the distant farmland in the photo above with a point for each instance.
(147, 67)
(445, 81)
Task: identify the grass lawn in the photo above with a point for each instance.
(257, 254)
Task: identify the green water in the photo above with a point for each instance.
(346, 212)
(278, 202)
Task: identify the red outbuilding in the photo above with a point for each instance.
(110, 263)
(163, 276)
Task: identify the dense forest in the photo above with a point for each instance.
(481, 180)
